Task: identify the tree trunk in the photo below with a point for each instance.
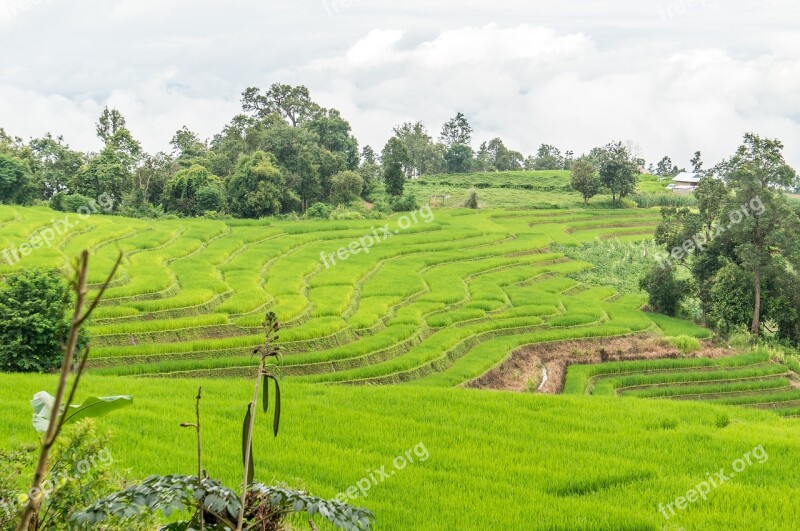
(755, 327)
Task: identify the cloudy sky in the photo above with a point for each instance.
(673, 76)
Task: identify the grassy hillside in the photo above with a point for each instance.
(442, 300)
(496, 460)
(520, 189)
(438, 303)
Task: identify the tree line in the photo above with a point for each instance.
(283, 153)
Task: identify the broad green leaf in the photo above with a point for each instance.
(93, 407)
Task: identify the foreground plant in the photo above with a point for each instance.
(215, 506)
(52, 413)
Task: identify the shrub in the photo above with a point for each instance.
(472, 200)
(210, 198)
(665, 290)
(73, 202)
(685, 344)
(318, 211)
(406, 203)
(33, 305)
(346, 186)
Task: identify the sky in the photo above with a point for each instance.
(671, 76)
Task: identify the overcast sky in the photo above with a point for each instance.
(672, 76)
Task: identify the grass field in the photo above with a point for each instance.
(378, 346)
(496, 460)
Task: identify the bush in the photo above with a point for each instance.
(472, 200)
(72, 203)
(346, 186)
(665, 291)
(210, 198)
(33, 304)
(318, 211)
(685, 344)
(406, 203)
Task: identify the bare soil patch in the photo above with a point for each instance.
(523, 370)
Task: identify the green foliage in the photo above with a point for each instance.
(34, 304)
(665, 291)
(182, 192)
(616, 264)
(406, 203)
(617, 170)
(472, 200)
(72, 202)
(664, 200)
(266, 509)
(459, 158)
(14, 180)
(395, 156)
(585, 179)
(346, 186)
(318, 211)
(257, 188)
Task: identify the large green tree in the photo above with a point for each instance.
(257, 188)
(181, 190)
(393, 158)
(618, 170)
(584, 179)
(15, 180)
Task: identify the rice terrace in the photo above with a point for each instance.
(295, 268)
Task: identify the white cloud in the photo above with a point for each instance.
(583, 74)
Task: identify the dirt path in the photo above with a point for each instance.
(543, 367)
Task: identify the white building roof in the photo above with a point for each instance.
(686, 177)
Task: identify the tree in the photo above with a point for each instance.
(181, 190)
(54, 165)
(346, 186)
(584, 179)
(291, 103)
(496, 156)
(333, 133)
(665, 291)
(547, 158)
(697, 162)
(257, 188)
(666, 168)
(111, 129)
(456, 131)
(187, 148)
(14, 180)
(34, 304)
(423, 155)
(106, 173)
(711, 195)
(757, 173)
(459, 158)
(394, 157)
(618, 170)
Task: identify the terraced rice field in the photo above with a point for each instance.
(750, 380)
(437, 303)
(432, 307)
